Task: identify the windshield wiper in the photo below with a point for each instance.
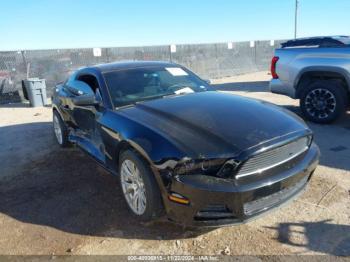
(145, 99)
(169, 95)
(126, 106)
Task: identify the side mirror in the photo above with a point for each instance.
(80, 88)
(84, 95)
(84, 100)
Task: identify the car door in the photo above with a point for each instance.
(84, 116)
(87, 134)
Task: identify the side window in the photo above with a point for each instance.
(90, 80)
(98, 95)
(93, 83)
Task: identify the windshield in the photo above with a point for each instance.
(134, 85)
(344, 39)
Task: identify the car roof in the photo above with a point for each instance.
(131, 65)
(320, 41)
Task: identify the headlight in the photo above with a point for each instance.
(189, 167)
(228, 169)
(200, 166)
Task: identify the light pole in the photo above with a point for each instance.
(296, 19)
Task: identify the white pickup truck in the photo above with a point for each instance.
(317, 71)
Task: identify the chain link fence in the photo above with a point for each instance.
(207, 60)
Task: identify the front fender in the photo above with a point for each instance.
(325, 69)
(154, 146)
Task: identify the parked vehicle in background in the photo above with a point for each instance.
(202, 157)
(316, 71)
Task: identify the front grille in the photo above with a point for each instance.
(275, 199)
(273, 157)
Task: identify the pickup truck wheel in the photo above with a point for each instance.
(323, 101)
(60, 130)
(139, 186)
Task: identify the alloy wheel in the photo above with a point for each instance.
(133, 187)
(57, 129)
(320, 103)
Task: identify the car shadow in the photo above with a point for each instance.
(66, 190)
(321, 236)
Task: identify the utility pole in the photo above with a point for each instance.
(296, 19)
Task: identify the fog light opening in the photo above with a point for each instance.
(177, 198)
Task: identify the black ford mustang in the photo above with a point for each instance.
(203, 157)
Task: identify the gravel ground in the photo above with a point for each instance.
(58, 201)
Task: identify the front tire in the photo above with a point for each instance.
(323, 101)
(60, 130)
(139, 187)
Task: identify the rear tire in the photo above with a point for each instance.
(60, 130)
(137, 181)
(323, 101)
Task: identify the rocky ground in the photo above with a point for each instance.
(58, 201)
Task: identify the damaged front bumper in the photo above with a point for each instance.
(217, 202)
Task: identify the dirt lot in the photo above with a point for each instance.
(58, 201)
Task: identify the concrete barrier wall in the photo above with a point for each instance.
(208, 60)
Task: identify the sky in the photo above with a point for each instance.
(47, 24)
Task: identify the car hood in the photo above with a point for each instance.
(212, 124)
